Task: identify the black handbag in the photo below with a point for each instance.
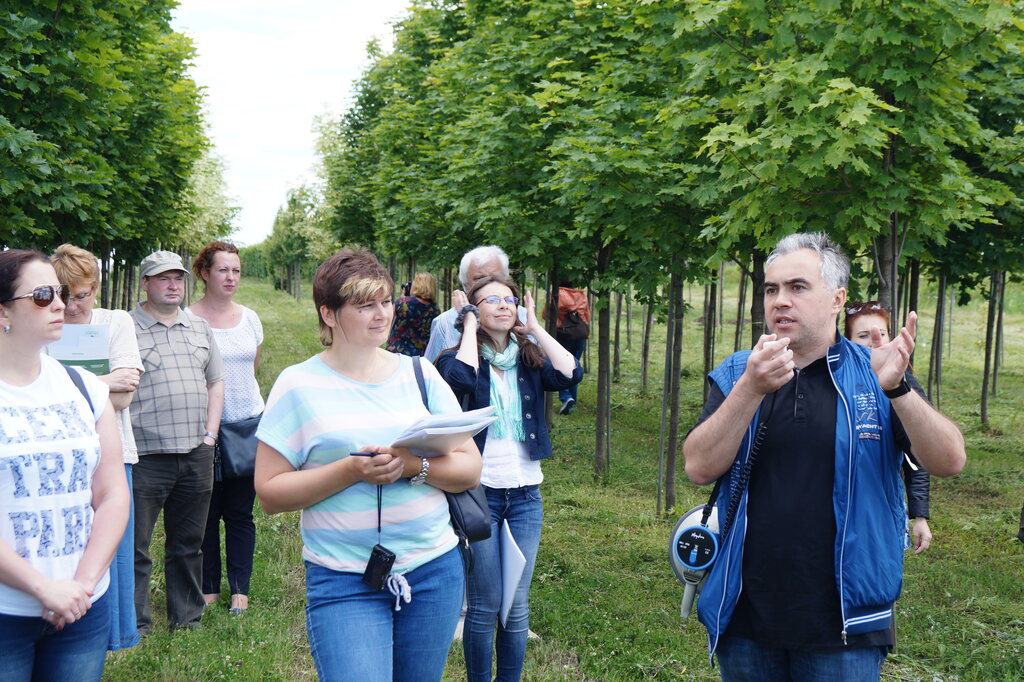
(236, 449)
(471, 515)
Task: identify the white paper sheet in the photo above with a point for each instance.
(513, 563)
(437, 433)
(84, 345)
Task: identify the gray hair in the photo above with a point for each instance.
(835, 267)
(479, 256)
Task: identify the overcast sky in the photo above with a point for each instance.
(269, 67)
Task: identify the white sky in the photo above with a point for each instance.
(269, 67)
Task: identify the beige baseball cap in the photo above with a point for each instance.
(161, 261)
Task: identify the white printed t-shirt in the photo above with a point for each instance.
(49, 450)
(316, 416)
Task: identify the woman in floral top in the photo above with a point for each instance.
(413, 315)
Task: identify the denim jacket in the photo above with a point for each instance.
(473, 389)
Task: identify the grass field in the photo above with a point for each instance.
(605, 601)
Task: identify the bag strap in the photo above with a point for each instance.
(420, 383)
(464, 547)
(76, 378)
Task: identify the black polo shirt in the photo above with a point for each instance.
(789, 597)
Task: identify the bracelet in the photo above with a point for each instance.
(902, 389)
(468, 308)
(421, 477)
(210, 435)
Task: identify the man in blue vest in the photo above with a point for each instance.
(806, 432)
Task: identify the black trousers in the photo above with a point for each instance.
(232, 501)
(180, 485)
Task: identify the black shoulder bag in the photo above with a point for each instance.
(471, 515)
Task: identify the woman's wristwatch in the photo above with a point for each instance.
(468, 308)
(421, 477)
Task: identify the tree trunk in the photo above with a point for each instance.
(720, 304)
(602, 457)
(710, 308)
(886, 267)
(551, 325)
(673, 422)
(913, 293)
(646, 351)
(757, 326)
(998, 358)
(670, 334)
(105, 279)
(935, 366)
(617, 364)
(629, 319)
(740, 314)
(990, 326)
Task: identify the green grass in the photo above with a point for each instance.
(605, 601)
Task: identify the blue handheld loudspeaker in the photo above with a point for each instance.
(692, 552)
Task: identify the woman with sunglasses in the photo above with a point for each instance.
(496, 364)
(861, 319)
(76, 269)
(63, 495)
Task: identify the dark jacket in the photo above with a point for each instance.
(473, 389)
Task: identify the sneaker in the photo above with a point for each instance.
(567, 406)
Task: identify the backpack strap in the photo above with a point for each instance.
(76, 378)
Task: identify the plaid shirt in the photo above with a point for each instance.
(169, 407)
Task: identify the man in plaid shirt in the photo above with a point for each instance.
(175, 417)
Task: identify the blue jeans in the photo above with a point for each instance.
(32, 649)
(524, 511)
(356, 633)
(124, 631)
(576, 347)
(743, 660)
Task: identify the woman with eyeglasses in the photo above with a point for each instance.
(496, 364)
(76, 268)
(862, 318)
(63, 494)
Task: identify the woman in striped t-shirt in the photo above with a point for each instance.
(355, 397)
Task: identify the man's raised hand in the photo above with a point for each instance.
(770, 365)
(890, 361)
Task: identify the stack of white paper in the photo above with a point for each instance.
(438, 433)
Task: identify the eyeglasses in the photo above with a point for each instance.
(81, 298)
(493, 300)
(862, 307)
(44, 295)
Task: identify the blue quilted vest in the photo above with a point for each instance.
(867, 499)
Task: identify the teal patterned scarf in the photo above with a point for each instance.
(510, 410)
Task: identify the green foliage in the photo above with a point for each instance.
(677, 135)
(99, 125)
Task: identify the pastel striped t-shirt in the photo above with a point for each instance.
(315, 416)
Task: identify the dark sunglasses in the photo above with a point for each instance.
(861, 307)
(44, 295)
(498, 299)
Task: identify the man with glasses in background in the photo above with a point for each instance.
(483, 261)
